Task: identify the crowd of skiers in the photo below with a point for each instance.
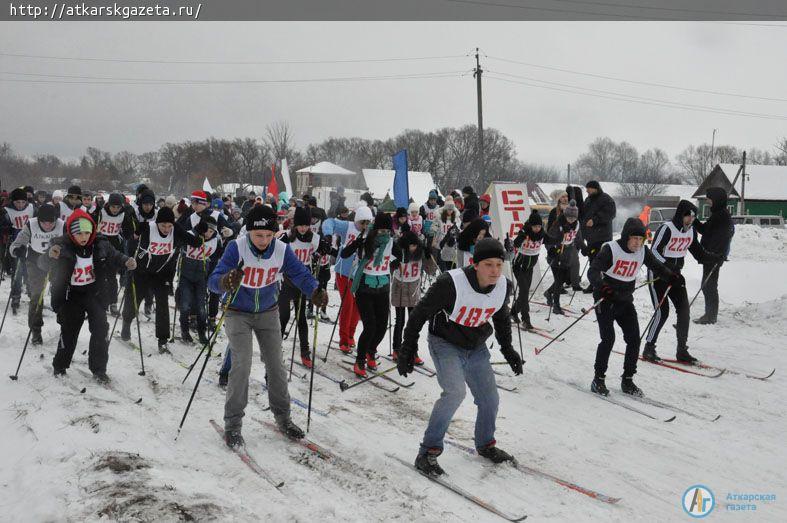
(262, 260)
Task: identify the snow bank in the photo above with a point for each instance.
(758, 243)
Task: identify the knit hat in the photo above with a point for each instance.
(632, 227)
(572, 211)
(18, 194)
(593, 184)
(146, 197)
(217, 203)
(467, 190)
(210, 221)
(141, 188)
(29, 189)
(449, 203)
(199, 197)
(488, 248)
(170, 201)
(74, 190)
(165, 215)
(534, 218)
(401, 212)
(363, 213)
(80, 225)
(302, 216)
(413, 207)
(382, 221)
(47, 213)
(115, 199)
(485, 198)
(432, 195)
(57, 194)
(261, 217)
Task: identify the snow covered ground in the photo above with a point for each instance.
(71, 456)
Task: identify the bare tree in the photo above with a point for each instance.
(279, 138)
(599, 162)
(781, 155)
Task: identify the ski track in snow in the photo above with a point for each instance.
(71, 456)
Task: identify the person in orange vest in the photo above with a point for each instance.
(644, 217)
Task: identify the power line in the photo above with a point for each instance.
(640, 100)
(760, 16)
(222, 62)
(600, 15)
(637, 82)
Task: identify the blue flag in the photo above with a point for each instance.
(401, 186)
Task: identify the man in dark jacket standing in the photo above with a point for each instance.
(596, 218)
(717, 232)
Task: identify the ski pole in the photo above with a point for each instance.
(177, 278)
(139, 332)
(11, 292)
(115, 323)
(343, 384)
(214, 334)
(39, 306)
(199, 379)
(336, 322)
(584, 313)
(295, 336)
(549, 266)
(580, 280)
(690, 303)
(518, 330)
(311, 379)
(653, 316)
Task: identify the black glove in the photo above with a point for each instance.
(405, 361)
(677, 280)
(607, 292)
(585, 251)
(201, 227)
(513, 360)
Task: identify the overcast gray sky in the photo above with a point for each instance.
(547, 125)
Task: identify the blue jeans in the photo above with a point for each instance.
(456, 366)
(193, 290)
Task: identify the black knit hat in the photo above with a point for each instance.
(47, 213)
(261, 217)
(74, 190)
(534, 218)
(632, 227)
(302, 216)
(488, 248)
(593, 184)
(115, 199)
(467, 190)
(382, 221)
(401, 212)
(18, 194)
(147, 197)
(165, 215)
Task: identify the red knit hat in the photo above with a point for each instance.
(199, 197)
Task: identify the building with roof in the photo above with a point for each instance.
(380, 182)
(764, 192)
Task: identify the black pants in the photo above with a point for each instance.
(374, 308)
(191, 297)
(399, 326)
(291, 294)
(711, 290)
(625, 314)
(679, 298)
(36, 278)
(561, 276)
(159, 286)
(523, 273)
(213, 305)
(71, 317)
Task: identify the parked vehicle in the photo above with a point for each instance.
(761, 220)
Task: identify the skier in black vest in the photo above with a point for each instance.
(459, 306)
(613, 273)
(528, 242)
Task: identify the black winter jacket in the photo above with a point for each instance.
(600, 208)
(718, 229)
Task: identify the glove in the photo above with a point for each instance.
(226, 232)
(716, 258)
(405, 362)
(231, 280)
(513, 360)
(131, 264)
(677, 280)
(509, 245)
(585, 251)
(607, 292)
(201, 227)
(320, 298)
(54, 252)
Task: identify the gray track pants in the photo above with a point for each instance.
(239, 327)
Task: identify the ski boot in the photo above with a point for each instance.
(526, 323)
(598, 386)
(125, 331)
(418, 361)
(360, 368)
(101, 378)
(649, 353)
(113, 310)
(371, 362)
(427, 463)
(14, 306)
(627, 387)
(548, 297)
(59, 372)
(704, 320)
(345, 348)
(494, 454)
(324, 317)
(35, 337)
(351, 343)
(233, 439)
(162, 347)
(185, 335)
(310, 314)
(203, 339)
(306, 359)
(683, 356)
(290, 429)
(515, 318)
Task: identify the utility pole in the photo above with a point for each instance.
(743, 185)
(477, 73)
(568, 175)
(712, 147)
